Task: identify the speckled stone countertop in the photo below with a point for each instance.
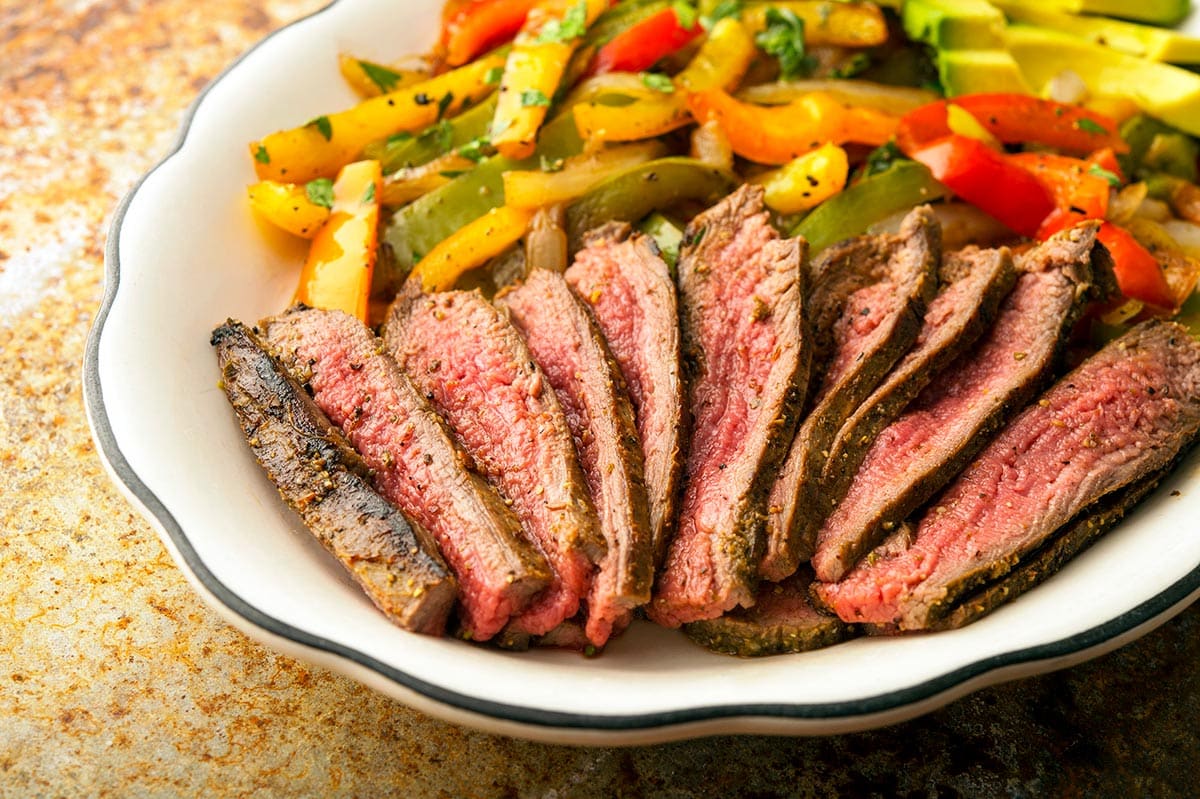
(115, 680)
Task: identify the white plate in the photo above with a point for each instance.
(185, 253)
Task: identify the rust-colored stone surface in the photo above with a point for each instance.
(116, 681)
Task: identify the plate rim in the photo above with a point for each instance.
(875, 710)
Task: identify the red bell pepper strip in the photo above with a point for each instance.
(989, 181)
(1139, 275)
(476, 26)
(1015, 119)
(644, 44)
(1078, 192)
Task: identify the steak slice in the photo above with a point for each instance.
(783, 620)
(954, 416)
(570, 350)
(472, 365)
(879, 288)
(417, 466)
(742, 301)
(629, 289)
(324, 480)
(974, 283)
(1121, 417)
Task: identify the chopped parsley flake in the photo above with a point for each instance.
(534, 97)
(1088, 126)
(571, 26)
(783, 38)
(369, 194)
(855, 65)
(1101, 172)
(323, 126)
(261, 155)
(444, 103)
(658, 81)
(386, 79)
(476, 149)
(320, 192)
(493, 75)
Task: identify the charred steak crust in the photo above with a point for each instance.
(629, 289)
(465, 356)
(1117, 420)
(876, 324)
(570, 350)
(416, 464)
(742, 310)
(974, 283)
(956, 414)
(322, 479)
(783, 620)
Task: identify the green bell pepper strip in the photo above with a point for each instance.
(872, 199)
(447, 135)
(417, 228)
(637, 191)
(666, 235)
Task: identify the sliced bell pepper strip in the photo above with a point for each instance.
(326, 144)
(287, 206)
(987, 180)
(777, 134)
(477, 26)
(837, 24)
(867, 202)
(1139, 275)
(897, 100)
(341, 259)
(369, 79)
(807, 181)
(472, 246)
(409, 150)
(645, 43)
(658, 185)
(535, 188)
(1014, 119)
(535, 66)
(1078, 192)
(405, 185)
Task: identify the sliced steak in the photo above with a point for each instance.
(416, 463)
(1118, 419)
(742, 301)
(880, 289)
(321, 477)
(570, 350)
(953, 417)
(629, 289)
(472, 365)
(782, 620)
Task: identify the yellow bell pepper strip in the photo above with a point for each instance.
(777, 134)
(895, 100)
(825, 23)
(720, 63)
(472, 246)
(807, 181)
(655, 186)
(287, 206)
(341, 259)
(535, 67)
(405, 185)
(369, 79)
(327, 143)
(536, 188)
(870, 200)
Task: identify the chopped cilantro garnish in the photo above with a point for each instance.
(1088, 126)
(533, 97)
(369, 194)
(784, 39)
(476, 149)
(882, 158)
(658, 81)
(571, 26)
(442, 132)
(855, 65)
(444, 103)
(323, 126)
(261, 155)
(452, 173)
(386, 79)
(685, 14)
(397, 138)
(726, 8)
(320, 192)
(493, 75)
(1101, 172)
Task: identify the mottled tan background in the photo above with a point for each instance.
(116, 681)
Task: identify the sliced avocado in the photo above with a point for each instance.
(1162, 91)
(974, 71)
(1146, 41)
(953, 24)
(1158, 12)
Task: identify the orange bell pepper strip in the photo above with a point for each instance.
(327, 143)
(1078, 192)
(476, 26)
(1015, 119)
(1139, 274)
(472, 246)
(777, 134)
(535, 66)
(341, 259)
